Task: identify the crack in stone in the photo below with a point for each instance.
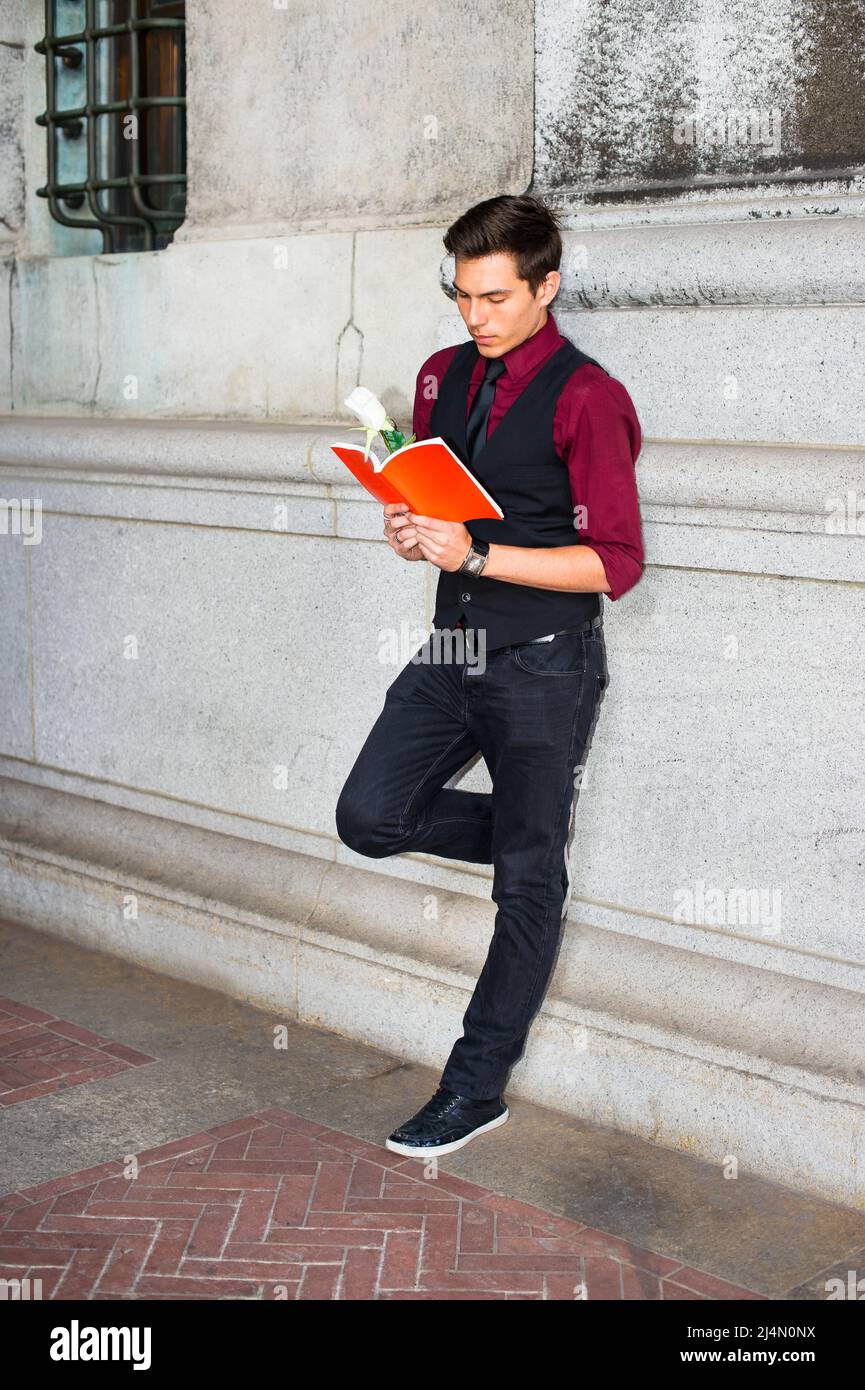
(13, 282)
(97, 336)
(348, 327)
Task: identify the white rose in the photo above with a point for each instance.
(368, 409)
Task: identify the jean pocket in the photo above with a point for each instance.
(564, 656)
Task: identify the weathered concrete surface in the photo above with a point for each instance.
(287, 341)
(809, 254)
(109, 683)
(12, 116)
(375, 108)
(616, 79)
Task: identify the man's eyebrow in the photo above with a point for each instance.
(485, 294)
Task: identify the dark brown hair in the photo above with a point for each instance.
(518, 223)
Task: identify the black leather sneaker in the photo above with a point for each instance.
(446, 1123)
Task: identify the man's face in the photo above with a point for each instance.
(498, 307)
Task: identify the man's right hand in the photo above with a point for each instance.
(407, 548)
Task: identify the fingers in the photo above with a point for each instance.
(431, 524)
(407, 537)
(403, 534)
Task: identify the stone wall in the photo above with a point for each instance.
(180, 710)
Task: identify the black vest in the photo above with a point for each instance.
(520, 468)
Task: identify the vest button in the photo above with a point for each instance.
(465, 598)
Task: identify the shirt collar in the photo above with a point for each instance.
(532, 351)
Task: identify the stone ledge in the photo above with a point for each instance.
(164, 449)
(381, 917)
(756, 260)
(741, 508)
(688, 1052)
(750, 477)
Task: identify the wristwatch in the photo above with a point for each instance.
(476, 558)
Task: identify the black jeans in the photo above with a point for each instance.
(530, 709)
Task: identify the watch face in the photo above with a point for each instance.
(476, 558)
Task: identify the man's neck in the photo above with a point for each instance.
(528, 336)
(537, 328)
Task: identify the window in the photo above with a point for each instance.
(116, 118)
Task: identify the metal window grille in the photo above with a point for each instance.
(115, 74)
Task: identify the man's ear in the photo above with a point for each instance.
(549, 288)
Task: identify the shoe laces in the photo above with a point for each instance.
(443, 1100)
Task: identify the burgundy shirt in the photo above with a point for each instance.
(595, 431)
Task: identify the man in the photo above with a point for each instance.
(554, 439)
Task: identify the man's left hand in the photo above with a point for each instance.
(443, 543)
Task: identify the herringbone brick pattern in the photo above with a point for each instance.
(40, 1053)
(275, 1206)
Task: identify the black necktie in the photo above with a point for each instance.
(479, 415)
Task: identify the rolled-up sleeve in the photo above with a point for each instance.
(599, 437)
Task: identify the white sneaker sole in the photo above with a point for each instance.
(429, 1150)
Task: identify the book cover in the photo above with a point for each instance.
(427, 476)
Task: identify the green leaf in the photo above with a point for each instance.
(394, 439)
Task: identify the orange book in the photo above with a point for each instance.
(427, 476)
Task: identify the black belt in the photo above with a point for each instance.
(580, 627)
(583, 627)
